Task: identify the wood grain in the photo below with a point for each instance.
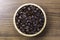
(8, 8)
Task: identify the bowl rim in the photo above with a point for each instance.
(29, 35)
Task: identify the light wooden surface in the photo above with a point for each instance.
(7, 9)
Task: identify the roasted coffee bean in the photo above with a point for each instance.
(29, 19)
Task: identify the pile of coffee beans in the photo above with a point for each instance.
(29, 19)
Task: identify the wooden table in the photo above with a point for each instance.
(7, 9)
